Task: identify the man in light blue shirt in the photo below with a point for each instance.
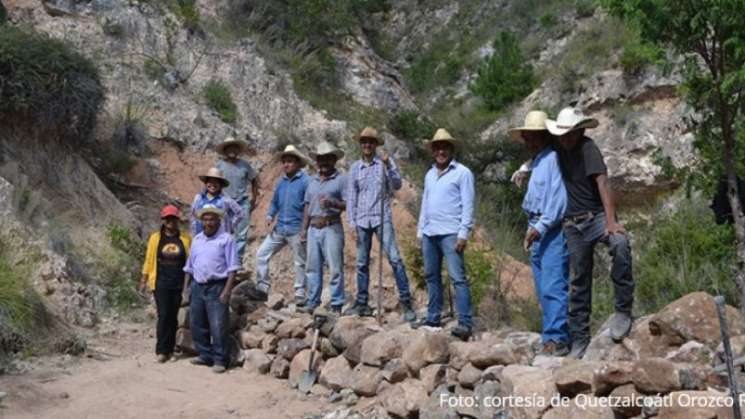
(545, 203)
(445, 222)
(285, 219)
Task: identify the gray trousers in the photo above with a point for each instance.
(273, 243)
(581, 240)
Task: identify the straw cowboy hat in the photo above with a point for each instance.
(442, 135)
(534, 121)
(290, 150)
(214, 173)
(568, 120)
(210, 209)
(371, 133)
(326, 148)
(232, 141)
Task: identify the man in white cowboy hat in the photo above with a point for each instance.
(212, 263)
(445, 222)
(324, 203)
(364, 194)
(285, 221)
(240, 174)
(590, 218)
(212, 194)
(544, 203)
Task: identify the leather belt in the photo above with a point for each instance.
(581, 217)
(322, 222)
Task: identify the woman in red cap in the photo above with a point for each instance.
(163, 273)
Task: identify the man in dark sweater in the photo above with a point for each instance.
(590, 218)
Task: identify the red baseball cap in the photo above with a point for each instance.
(170, 211)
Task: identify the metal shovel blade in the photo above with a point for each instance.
(306, 381)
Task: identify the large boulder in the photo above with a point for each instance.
(469, 376)
(336, 373)
(380, 348)
(300, 364)
(288, 348)
(426, 348)
(487, 390)
(627, 392)
(482, 354)
(243, 298)
(611, 375)
(365, 380)
(292, 328)
(184, 341)
(349, 331)
(656, 375)
(528, 383)
(405, 399)
(251, 339)
(575, 378)
(395, 371)
(433, 376)
(694, 317)
(257, 361)
(280, 367)
(640, 343)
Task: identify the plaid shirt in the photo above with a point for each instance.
(363, 192)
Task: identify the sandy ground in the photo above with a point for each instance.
(119, 378)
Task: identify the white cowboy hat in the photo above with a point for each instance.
(442, 135)
(570, 119)
(232, 141)
(210, 209)
(326, 148)
(372, 133)
(216, 174)
(534, 121)
(290, 150)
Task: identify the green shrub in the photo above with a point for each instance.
(504, 77)
(120, 270)
(220, 100)
(188, 12)
(547, 20)
(16, 300)
(45, 81)
(585, 8)
(113, 28)
(411, 126)
(3, 14)
(637, 55)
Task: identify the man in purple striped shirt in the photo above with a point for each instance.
(365, 189)
(213, 261)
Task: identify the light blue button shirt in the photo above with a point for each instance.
(447, 202)
(546, 198)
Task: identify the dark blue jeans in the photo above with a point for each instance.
(434, 249)
(364, 244)
(209, 322)
(581, 240)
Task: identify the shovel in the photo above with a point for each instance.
(309, 377)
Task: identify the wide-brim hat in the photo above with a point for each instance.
(232, 141)
(326, 148)
(442, 135)
(534, 121)
(570, 119)
(290, 150)
(214, 173)
(371, 133)
(210, 209)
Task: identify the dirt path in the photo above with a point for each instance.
(120, 379)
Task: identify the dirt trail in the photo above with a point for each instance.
(122, 380)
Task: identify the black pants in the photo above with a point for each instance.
(581, 240)
(168, 302)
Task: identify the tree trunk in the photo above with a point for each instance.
(734, 201)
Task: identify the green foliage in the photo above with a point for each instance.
(638, 55)
(113, 28)
(585, 8)
(437, 67)
(16, 300)
(480, 272)
(504, 77)
(188, 12)
(411, 126)
(153, 70)
(45, 81)
(220, 100)
(120, 269)
(547, 20)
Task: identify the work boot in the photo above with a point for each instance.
(336, 310)
(162, 358)
(423, 322)
(620, 326)
(462, 332)
(199, 361)
(218, 369)
(358, 309)
(579, 346)
(299, 300)
(553, 348)
(409, 313)
(306, 308)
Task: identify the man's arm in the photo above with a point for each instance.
(467, 197)
(393, 174)
(274, 206)
(611, 225)
(422, 218)
(351, 194)
(233, 264)
(306, 220)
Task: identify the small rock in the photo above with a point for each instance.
(655, 375)
(405, 399)
(269, 343)
(288, 348)
(469, 376)
(280, 367)
(575, 378)
(335, 373)
(432, 376)
(365, 380)
(320, 390)
(381, 347)
(526, 382)
(327, 348)
(692, 352)
(293, 328)
(257, 361)
(612, 375)
(268, 325)
(395, 371)
(493, 373)
(64, 395)
(488, 390)
(250, 340)
(425, 349)
(623, 393)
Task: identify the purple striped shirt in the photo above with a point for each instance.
(212, 257)
(363, 191)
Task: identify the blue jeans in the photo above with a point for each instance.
(209, 322)
(242, 230)
(273, 243)
(434, 248)
(364, 244)
(549, 260)
(325, 245)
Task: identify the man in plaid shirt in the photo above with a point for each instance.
(363, 208)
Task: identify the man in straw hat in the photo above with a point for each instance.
(324, 202)
(364, 211)
(544, 204)
(590, 218)
(212, 263)
(239, 174)
(214, 182)
(284, 221)
(445, 222)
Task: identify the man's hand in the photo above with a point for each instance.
(460, 245)
(304, 236)
(531, 236)
(521, 175)
(225, 296)
(614, 228)
(353, 232)
(185, 296)
(385, 158)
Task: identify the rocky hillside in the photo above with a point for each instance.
(180, 76)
